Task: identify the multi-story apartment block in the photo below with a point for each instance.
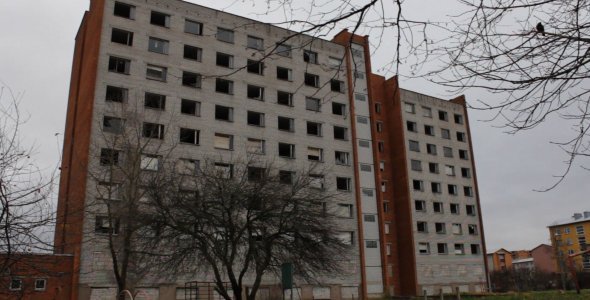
(219, 85)
(570, 236)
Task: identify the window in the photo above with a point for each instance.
(255, 118)
(463, 154)
(340, 133)
(224, 113)
(153, 130)
(113, 125)
(225, 35)
(580, 230)
(109, 157)
(334, 62)
(310, 57)
(378, 107)
(286, 177)
(459, 249)
(313, 104)
(224, 170)
(433, 168)
(468, 191)
(193, 53)
(256, 146)
(436, 188)
(414, 146)
(337, 85)
(156, 73)
(158, 45)
(312, 80)
(344, 211)
(284, 98)
(428, 130)
(472, 229)
(223, 141)
(224, 60)
(314, 128)
(366, 168)
(420, 205)
(124, 10)
(106, 225)
(155, 101)
(123, 37)
(342, 158)
(416, 165)
(381, 146)
(458, 119)
(566, 230)
(316, 181)
(426, 112)
(189, 136)
(445, 134)
(452, 189)
(191, 79)
(364, 144)
(255, 43)
(116, 94)
(315, 154)
(431, 149)
(119, 65)
(283, 50)
(386, 230)
(409, 108)
(160, 19)
(382, 166)
(362, 120)
(379, 126)
(360, 97)
(224, 86)
(188, 166)
(470, 210)
(465, 172)
(411, 126)
(255, 92)
(441, 228)
(343, 184)
(359, 75)
(418, 185)
(109, 190)
(16, 284)
(286, 124)
(149, 162)
(457, 228)
(40, 284)
(461, 137)
(255, 67)
(475, 249)
(193, 27)
(256, 173)
(424, 248)
(286, 150)
(442, 248)
(455, 209)
(443, 115)
(438, 207)
(284, 74)
(450, 170)
(339, 109)
(346, 237)
(448, 152)
(190, 107)
(385, 206)
(383, 186)
(421, 226)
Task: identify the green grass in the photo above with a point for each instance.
(544, 295)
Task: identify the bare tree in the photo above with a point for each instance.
(26, 214)
(240, 220)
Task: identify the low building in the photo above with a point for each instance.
(540, 258)
(499, 260)
(569, 236)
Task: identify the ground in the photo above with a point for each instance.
(545, 295)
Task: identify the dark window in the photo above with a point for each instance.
(343, 184)
(112, 124)
(337, 85)
(438, 207)
(442, 248)
(122, 37)
(224, 113)
(418, 185)
(465, 172)
(470, 209)
(190, 107)
(428, 130)
(286, 124)
(472, 229)
(284, 98)
(224, 86)
(312, 80)
(119, 65)
(256, 173)
(255, 43)
(191, 79)
(116, 94)
(339, 109)
(160, 19)
(468, 191)
(463, 154)
(284, 73)
(420, 205)
(255, 118)
(109, 157)
(153, 130)
(224, 60)
(314, 128)
(461, 136)
(458, 119)
(155, 101)
(435, 186)
(193, 53)
(40, 284)
(422, 226)
(225, 35)
(124, 10)
(443, 115)
(455, 209)
(283, 50)
(189, 136)
(452, 189)
(106, 225)
(310, 57)
(256, 92)
(378, 107)
(411, 126)
(342, 158)
(256, 67)
(158, 45)
(286, 177)
(440, 227)
(286, 150)
(475, 249)
(193, 27)
(340, 133)
(431, 149)
(433, 168)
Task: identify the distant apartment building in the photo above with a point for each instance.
(569, 236)
(228, 86)
(499, 260)
(540, 258)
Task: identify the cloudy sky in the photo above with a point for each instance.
(36, 46)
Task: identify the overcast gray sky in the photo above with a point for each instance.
(36, 47)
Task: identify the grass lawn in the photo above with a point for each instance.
(545, 295)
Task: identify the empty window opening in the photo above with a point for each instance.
(310, 57)
(190, 107)
(255, 118)
(255, 92)
(193, 53)
(337, 85)
(153, 130)
(312, 80)
(124, 10)
(343, 184)
(116, 94)
(120, 36)
(314, 128)
(255, 67)
(284, 74)
(286, 124)
(160, 19)
(191, 79)
(224, 113)
(340, 133)
(286, 150)
(155, 101)
(189, 136)
(284, 98)
(224, 60)
(339, 109)
(224, 86)
(119, 65)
